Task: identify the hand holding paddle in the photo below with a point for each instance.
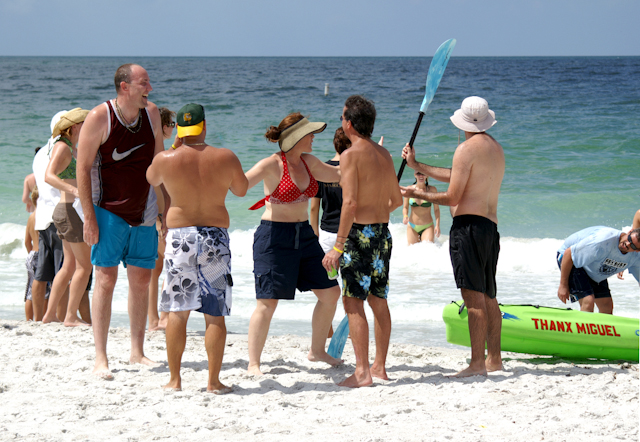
(436, 69)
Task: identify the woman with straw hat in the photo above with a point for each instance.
(61, 174)
(286, 252)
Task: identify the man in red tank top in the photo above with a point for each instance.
(117, 144)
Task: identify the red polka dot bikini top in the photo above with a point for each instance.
(287, 192)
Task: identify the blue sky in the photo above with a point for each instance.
(318, 28)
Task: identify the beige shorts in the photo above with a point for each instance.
(68, 222)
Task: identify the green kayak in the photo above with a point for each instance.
(554, 331)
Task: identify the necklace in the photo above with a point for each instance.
(197, 144)
(130, 127)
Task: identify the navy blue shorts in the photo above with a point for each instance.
(286, 257)
(581, 285)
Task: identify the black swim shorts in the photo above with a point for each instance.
(50, 254)
(474, 245)
(581, 285)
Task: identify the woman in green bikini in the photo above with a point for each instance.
(417, 214)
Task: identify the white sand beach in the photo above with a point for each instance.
(47, 392)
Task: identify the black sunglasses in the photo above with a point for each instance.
(631, 244)
(172, 124)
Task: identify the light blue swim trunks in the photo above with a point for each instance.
(120, 242)
(198, 263)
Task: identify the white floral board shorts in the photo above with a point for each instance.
(198, 262)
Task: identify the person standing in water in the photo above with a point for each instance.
(474, 181)
(417, 214)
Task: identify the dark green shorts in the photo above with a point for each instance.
(365, 263)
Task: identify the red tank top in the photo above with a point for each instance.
(120, 169)
(287, 192)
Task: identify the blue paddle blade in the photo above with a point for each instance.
(436, 69)
(339, 339)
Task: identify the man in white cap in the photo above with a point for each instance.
(117, 144)
(474, 243)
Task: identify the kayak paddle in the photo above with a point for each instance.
(436, 69)
(339, 339)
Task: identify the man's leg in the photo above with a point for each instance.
(101, 311)
(494, 329)
(477, 310)
(382, 328)
(605, 305)
(321, 320)
(258, 331)
(138, 304)
(176, 341)
(587, 303)
(359, 331)
(38, 290)
(214, 341)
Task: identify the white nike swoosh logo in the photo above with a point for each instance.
(117, 156)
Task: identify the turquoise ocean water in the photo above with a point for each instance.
(569, 127)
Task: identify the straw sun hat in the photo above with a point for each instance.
(74, 116)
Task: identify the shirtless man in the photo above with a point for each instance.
(474, 184)
(117, 144)
(198, 256)
(363, 244)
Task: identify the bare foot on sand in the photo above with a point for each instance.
(104, 374)
(324, 358)
(254, 370)
(156, 328)
(47, 320)
(379, 373)
(75, 322)
(145, 361)
(467, 372)
(173, 386)
(219, 389)
(354, 381)
(493, 366)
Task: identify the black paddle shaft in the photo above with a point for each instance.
(413, 138)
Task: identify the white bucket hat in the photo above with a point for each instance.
(474, 115)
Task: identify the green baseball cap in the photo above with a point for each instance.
(190, 119)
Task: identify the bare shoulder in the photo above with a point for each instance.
(97, 115)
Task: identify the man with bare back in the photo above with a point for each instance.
(197, 178)
(117, 143)
(363, 245)
(474, 181)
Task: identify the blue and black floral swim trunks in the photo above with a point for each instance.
(365, 263)
(198, 263)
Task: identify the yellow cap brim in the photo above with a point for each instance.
(190, 131)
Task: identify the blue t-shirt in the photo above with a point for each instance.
(595, 249)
